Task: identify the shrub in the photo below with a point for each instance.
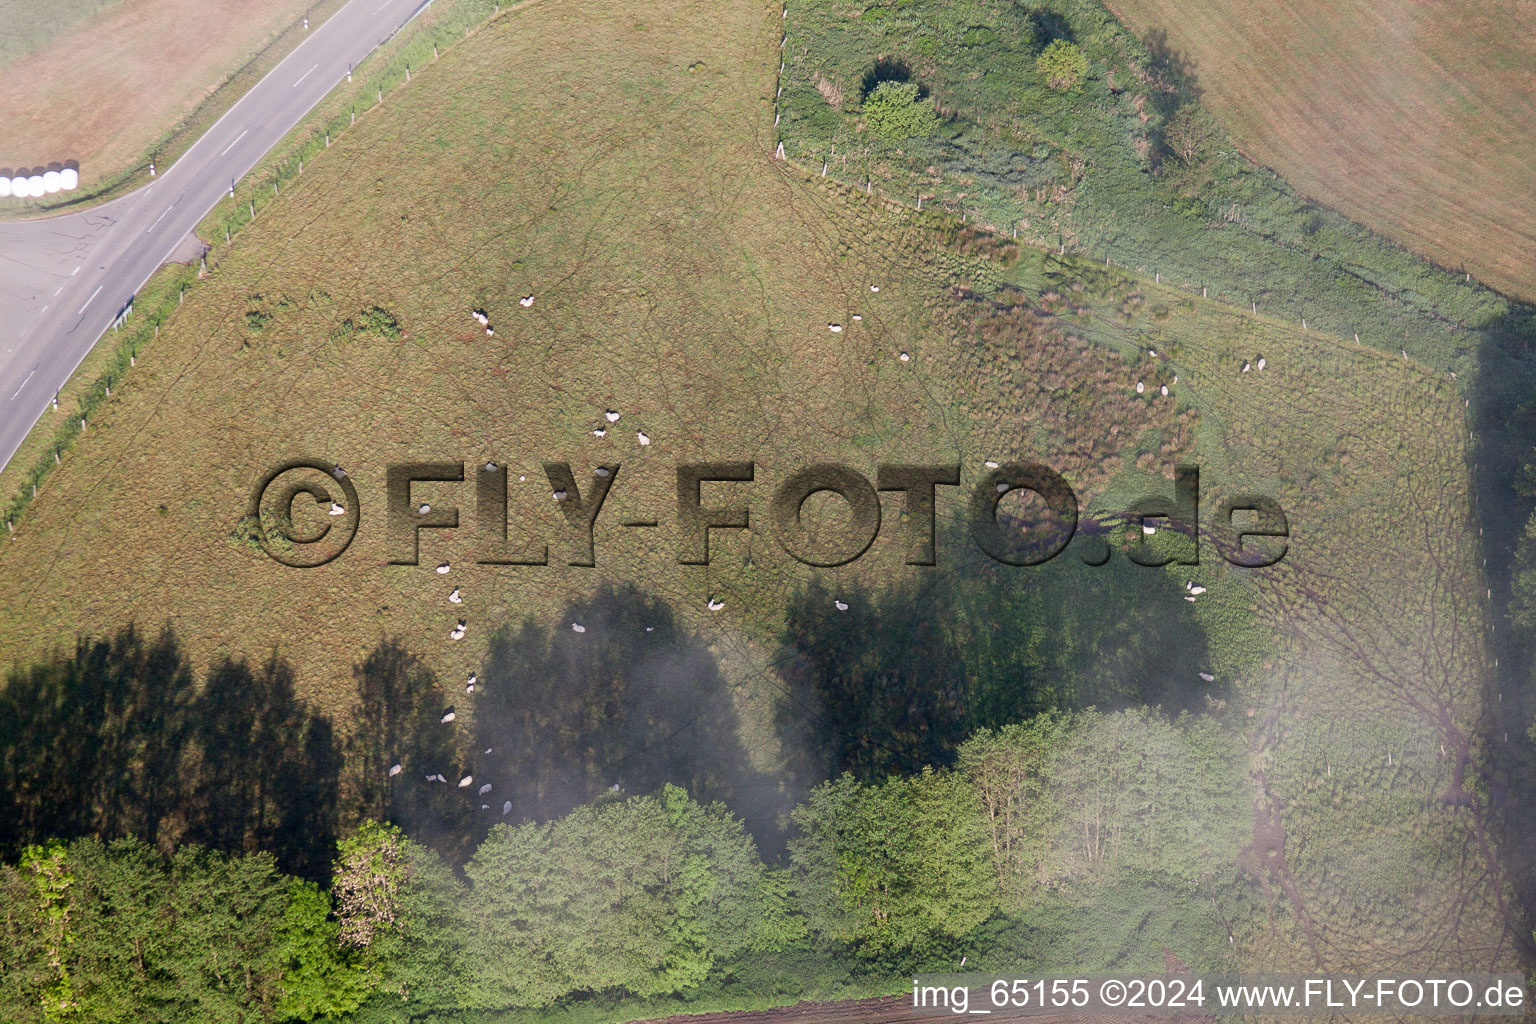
(1062, 65)
(895, 110)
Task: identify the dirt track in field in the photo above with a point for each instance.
(109, 88)
(1410, 116)
(893, 1010)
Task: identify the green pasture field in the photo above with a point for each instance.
(615, 163)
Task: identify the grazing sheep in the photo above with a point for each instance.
(611, 416)
(1197, 590)
(1207, 677)
(469, 687)
(904, 357)
(525, 301)
(394, 770)
(1190, 600)
(600, 471)
(480, 316)
(577, 627)
(457, 632)
(1002, 488)
(506, 808)
(559, 495)
(835, 328)
(442, 568)
(483, 789)
(490, 332)
(490, 467)
(1165, 390)
(990, 464)
(448, 716)
(841, 606)
(714, 605)
(857, 318)
(1148, 529)
(424, 509)
(1245, 367)
(468, 780)
(1140, 387)
(337, 510)
(1261, 363)
(643, 438)
(338, 472)
(455, 597)
(874, 288)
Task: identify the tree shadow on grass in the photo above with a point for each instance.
(118, 739)
(629, 701)
(898, 679)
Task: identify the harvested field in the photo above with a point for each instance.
(1413, 118)
(106, 89)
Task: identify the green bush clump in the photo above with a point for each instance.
(1062, 65)
(896, 110)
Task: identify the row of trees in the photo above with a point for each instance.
(641, 895)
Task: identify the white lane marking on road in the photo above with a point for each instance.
(303, 76)
(160, 218)
(58, 289)
(93, 295)
(237, 139)
(22, 385)
(382, 6)
(72, 273)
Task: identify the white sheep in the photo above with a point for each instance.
(715, 605)
(1140, 387)
(525, 301)
(904, 357)
(394, 770)
(835, 328)
(484, 789)
(454, 597)
(468, 780)
(337, 510)
(448, 716)
(611, 416)
(577, 627)
(442, 568)
(1207, 677)
(643, 438)
(841, 606)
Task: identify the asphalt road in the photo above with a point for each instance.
(63, 280)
